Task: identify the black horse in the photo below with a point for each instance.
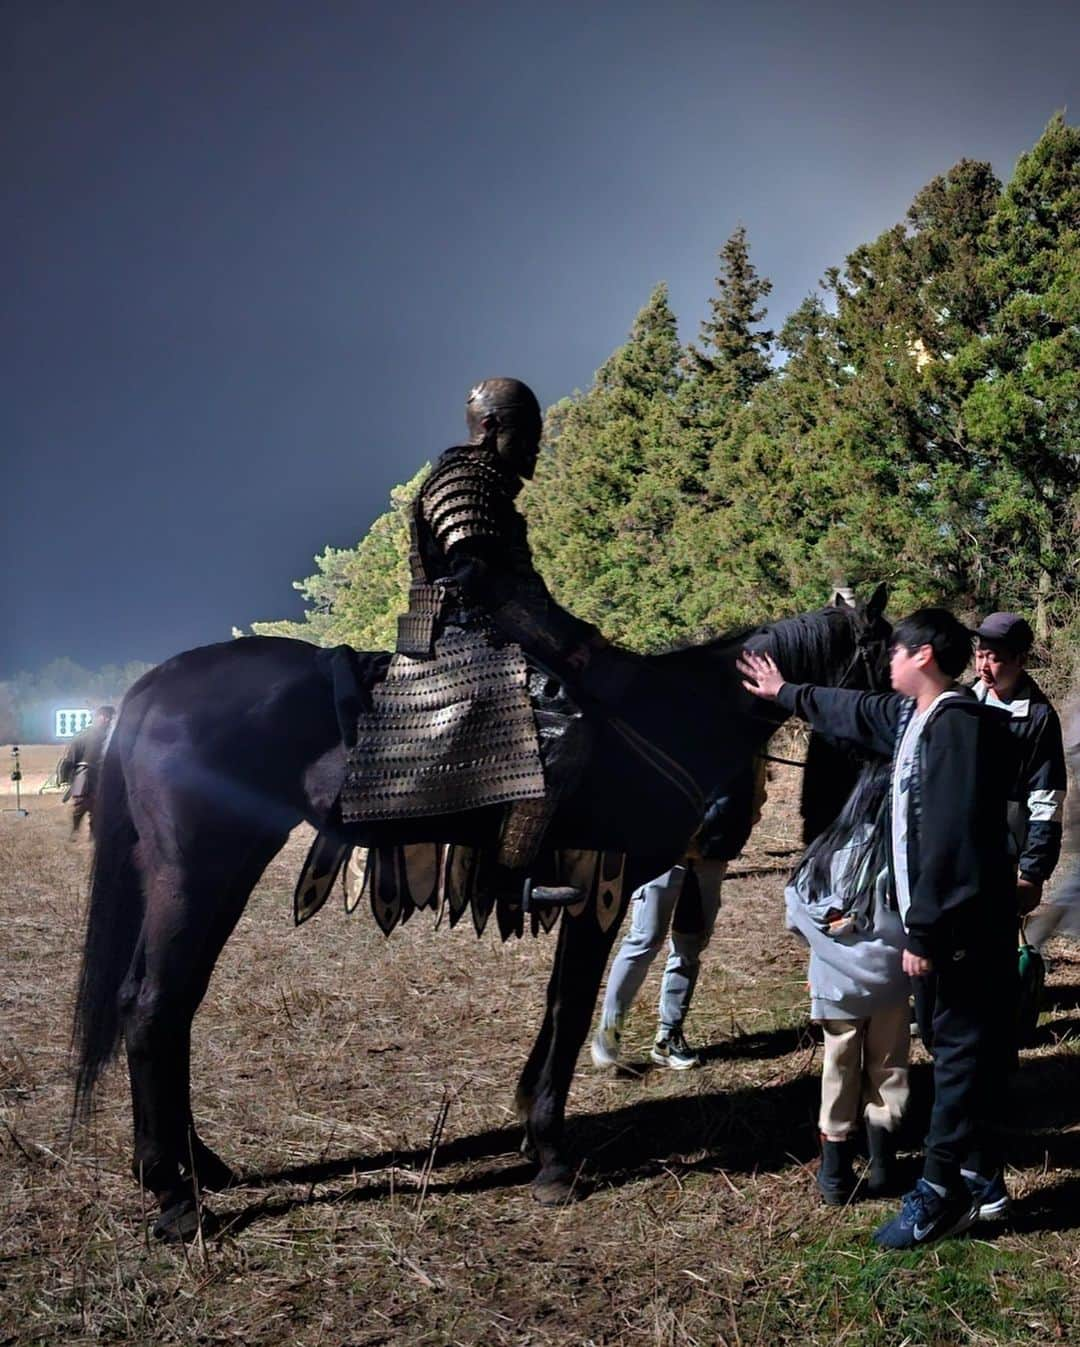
(218, 753)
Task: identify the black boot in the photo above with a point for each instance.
(881, 1171)
(835, 1177)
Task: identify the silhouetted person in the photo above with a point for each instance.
(79, 765)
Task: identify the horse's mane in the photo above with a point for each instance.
(806, 642)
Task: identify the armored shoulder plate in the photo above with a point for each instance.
(467, 495)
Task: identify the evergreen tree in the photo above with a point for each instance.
(1019, 378)
(733, 357)
(608, 490)
(723, 374)
(922, 429)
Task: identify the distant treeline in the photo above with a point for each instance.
(29, 700)
(915, 421)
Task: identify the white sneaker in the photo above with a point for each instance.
(604, 1049)
(672, 1050)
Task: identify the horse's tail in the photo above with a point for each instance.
(113, 923)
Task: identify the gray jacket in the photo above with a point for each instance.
(855, 975)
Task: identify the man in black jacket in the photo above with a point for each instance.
(1003, 642)
(954, 764)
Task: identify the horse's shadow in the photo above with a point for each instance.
(743, 1131)
(764, 1043)
(758, 1129)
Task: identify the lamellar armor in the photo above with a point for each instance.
(472, 567)
(472, 711)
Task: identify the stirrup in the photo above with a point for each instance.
(549, 895)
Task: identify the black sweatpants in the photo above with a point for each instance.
(966, 1011)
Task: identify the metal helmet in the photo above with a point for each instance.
(505, 412)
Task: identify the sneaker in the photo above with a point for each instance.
(604, 1049)
(671, 1049)
(925, 1216)
(990, 1194)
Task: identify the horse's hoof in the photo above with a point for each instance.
(556, 1186)
(211, 1171)
(179, 1224)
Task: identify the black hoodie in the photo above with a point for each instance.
(962, 881)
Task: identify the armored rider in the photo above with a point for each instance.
(476, 696)
(471, 562)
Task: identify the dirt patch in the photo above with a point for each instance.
(322, 1060)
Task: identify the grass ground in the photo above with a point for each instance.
(323, 1060)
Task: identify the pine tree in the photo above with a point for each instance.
(922, 429)
(1021, 412)
(723, 374)
(733, 357)
(608, 489)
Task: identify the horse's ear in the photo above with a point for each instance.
(842, 598)
(875, 605)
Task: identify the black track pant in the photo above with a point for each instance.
(966, 1011)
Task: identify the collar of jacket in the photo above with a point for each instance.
(1019, 708)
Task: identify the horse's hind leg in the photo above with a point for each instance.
(575, 982)
(190, 913)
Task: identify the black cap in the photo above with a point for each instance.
(1007, 629)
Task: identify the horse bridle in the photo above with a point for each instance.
(860, 657)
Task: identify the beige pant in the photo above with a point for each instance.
(865, 1072)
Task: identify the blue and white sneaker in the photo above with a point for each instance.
(991, 1196)
(925, 1216)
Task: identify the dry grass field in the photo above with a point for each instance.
(324, 1058)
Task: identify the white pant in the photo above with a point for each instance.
(865, 1072)
(652, 910)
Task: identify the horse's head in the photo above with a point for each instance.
(871, 635)
(843, 645)
(831, 767)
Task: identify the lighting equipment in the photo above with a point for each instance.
(16, 776)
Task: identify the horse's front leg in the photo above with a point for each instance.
(580, 957)
(536, 1062)
(530, 1075)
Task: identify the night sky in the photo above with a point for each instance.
(256, 252)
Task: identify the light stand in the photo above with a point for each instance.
(16, 776)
